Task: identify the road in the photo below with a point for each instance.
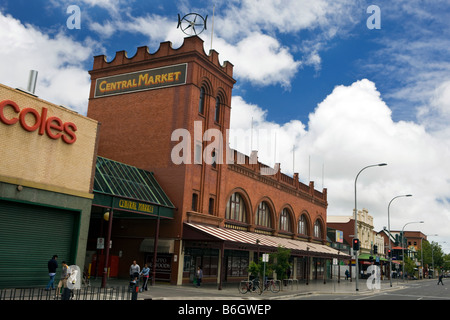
(412, 290)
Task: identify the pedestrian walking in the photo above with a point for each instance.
(145, 274)
(65, 273)
(199, 276)
(440, 279)
(52, 265)
(134, 270)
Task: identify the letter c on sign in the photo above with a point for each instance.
(16, 108)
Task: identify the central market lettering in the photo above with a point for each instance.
(142, 80)
(136, 206)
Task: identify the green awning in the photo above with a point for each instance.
(130, 189)
(366, 256)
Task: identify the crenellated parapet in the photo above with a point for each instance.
(191, 45)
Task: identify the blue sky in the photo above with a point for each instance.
(311, 76)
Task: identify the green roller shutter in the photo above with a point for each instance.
(29, 236)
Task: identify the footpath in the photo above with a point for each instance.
(229, 291)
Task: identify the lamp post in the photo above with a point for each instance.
(403, 251)
(389, 229)
(356, 220)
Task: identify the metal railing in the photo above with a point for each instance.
(84, 293)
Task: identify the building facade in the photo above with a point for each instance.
(169, 113)
(47, 163)
(372, 246)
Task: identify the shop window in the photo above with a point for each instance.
(201, 103)
(236, 208)
(237, 263)
(285, 222)
(263, 215)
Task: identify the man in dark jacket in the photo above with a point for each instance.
(52, 266)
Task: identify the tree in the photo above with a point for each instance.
(280, 262)
(409, 266)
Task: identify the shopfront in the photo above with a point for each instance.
(225, 254)
(47, 158)
(128, 210)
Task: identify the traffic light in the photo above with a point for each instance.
(355, 244)
(375, 249)
(389, 252)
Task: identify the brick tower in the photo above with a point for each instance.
(141, 101)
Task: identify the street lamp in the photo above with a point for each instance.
(403, 251)
(389, 229)
(356, 219)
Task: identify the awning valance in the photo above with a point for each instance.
(253, 239)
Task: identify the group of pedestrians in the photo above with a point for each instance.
(135, 273)
(65, 273)
(68, 275)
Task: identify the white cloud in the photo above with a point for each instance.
(242, 17)
(259, 59)
(62, 78)
(350, 129)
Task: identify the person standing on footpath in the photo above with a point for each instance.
(134, 270)
(199, 276)
(52, 265)
(145, 274)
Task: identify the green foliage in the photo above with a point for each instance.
(281, 264)
(278, 263)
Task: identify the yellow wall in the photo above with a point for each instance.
(35, 160)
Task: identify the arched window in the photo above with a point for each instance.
(285, 222)
(217, 111)
(263, 215)
(302, 225)
(317, 229)
(201, 103)
(236, 208)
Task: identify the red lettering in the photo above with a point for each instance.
(24, 124)
(43, 119)
(5, 103)
(54, 123)
(54, 127)
(70, 129)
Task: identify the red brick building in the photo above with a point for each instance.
(168, 113)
